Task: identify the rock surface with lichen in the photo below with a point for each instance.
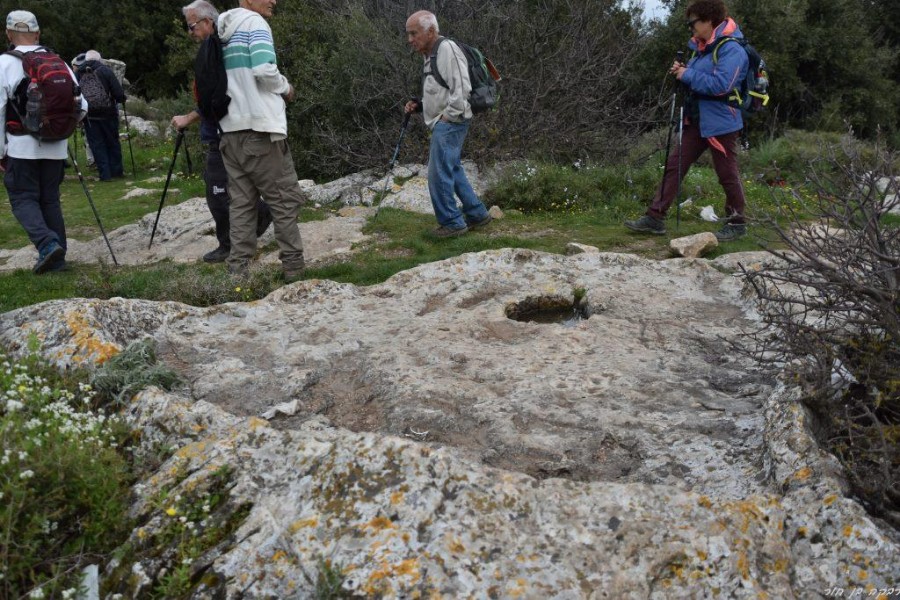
(427, 437)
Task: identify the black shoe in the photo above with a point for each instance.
(216, 256)
(47, 256)
(263, 220)
(647, 224)
(731, 231)
(479, 224)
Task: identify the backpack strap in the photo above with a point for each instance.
(432, 62)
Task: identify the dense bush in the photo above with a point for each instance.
(832, 314)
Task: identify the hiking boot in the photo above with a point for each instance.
(731, 231)
(47, 256)
(263, 220)
(216, 256)
(60, 265)
(647, 224)
(294, 270)
(445, 232)
(479, 224)
(239, 270)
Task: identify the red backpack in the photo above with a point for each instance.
(55, 113)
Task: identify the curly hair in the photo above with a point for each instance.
(713, 11)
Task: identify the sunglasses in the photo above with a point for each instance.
(194, 24)
(690, 24)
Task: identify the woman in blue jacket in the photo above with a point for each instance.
(713, 73)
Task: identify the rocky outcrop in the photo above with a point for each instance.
(185, 232)
(431, 436)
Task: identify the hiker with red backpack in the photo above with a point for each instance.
(103, 92)
(712, 116)
(41, 103)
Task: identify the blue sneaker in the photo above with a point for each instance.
(47, 256)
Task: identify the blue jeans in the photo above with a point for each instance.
(33, 189)
(103, 138)
(446, 178)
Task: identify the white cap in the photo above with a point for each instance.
(22, 21)
(92, 55)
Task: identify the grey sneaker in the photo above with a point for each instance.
(445, 232)
(647, 224)
(731, 231)
(473, 225)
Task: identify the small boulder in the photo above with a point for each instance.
(573, 248)
(694, 246)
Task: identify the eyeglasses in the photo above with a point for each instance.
(690, 23)
(194, 24)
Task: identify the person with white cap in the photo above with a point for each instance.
(32, 168)
(103, 91)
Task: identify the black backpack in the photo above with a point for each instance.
(210, 79)
(482, 74)
(94, 91)
(59, 109)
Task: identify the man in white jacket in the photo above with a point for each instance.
(32, 169)
(254, 139)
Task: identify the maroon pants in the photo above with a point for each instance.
(724, 159)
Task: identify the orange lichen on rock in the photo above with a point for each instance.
(88, 345)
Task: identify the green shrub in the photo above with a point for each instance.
(540, 187)
(63, 483)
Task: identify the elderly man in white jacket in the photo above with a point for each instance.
(254, 139)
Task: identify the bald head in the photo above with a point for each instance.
(422, 31)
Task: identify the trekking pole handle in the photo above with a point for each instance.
(679, 56)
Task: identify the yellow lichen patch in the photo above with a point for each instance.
(848, 530)
(192, 450)
(406, 568)
(279, 555)
(862, 575)
(303, 524)
(701, 554)
(457, 547)
(743, 565)
(380, 524)
(803, 474)
(802, 531)
(829, 499)
(197, 427)
(517, 591)
(705, 502)
(396, 498)
(255, 423)
(85, 339)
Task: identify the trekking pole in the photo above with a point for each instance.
(75, 143)
(678, 188)
(393, 162)
(672, 102)
(679, 56)
(93, 208)
(187, 157)
(178, 141)
(128, 135)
